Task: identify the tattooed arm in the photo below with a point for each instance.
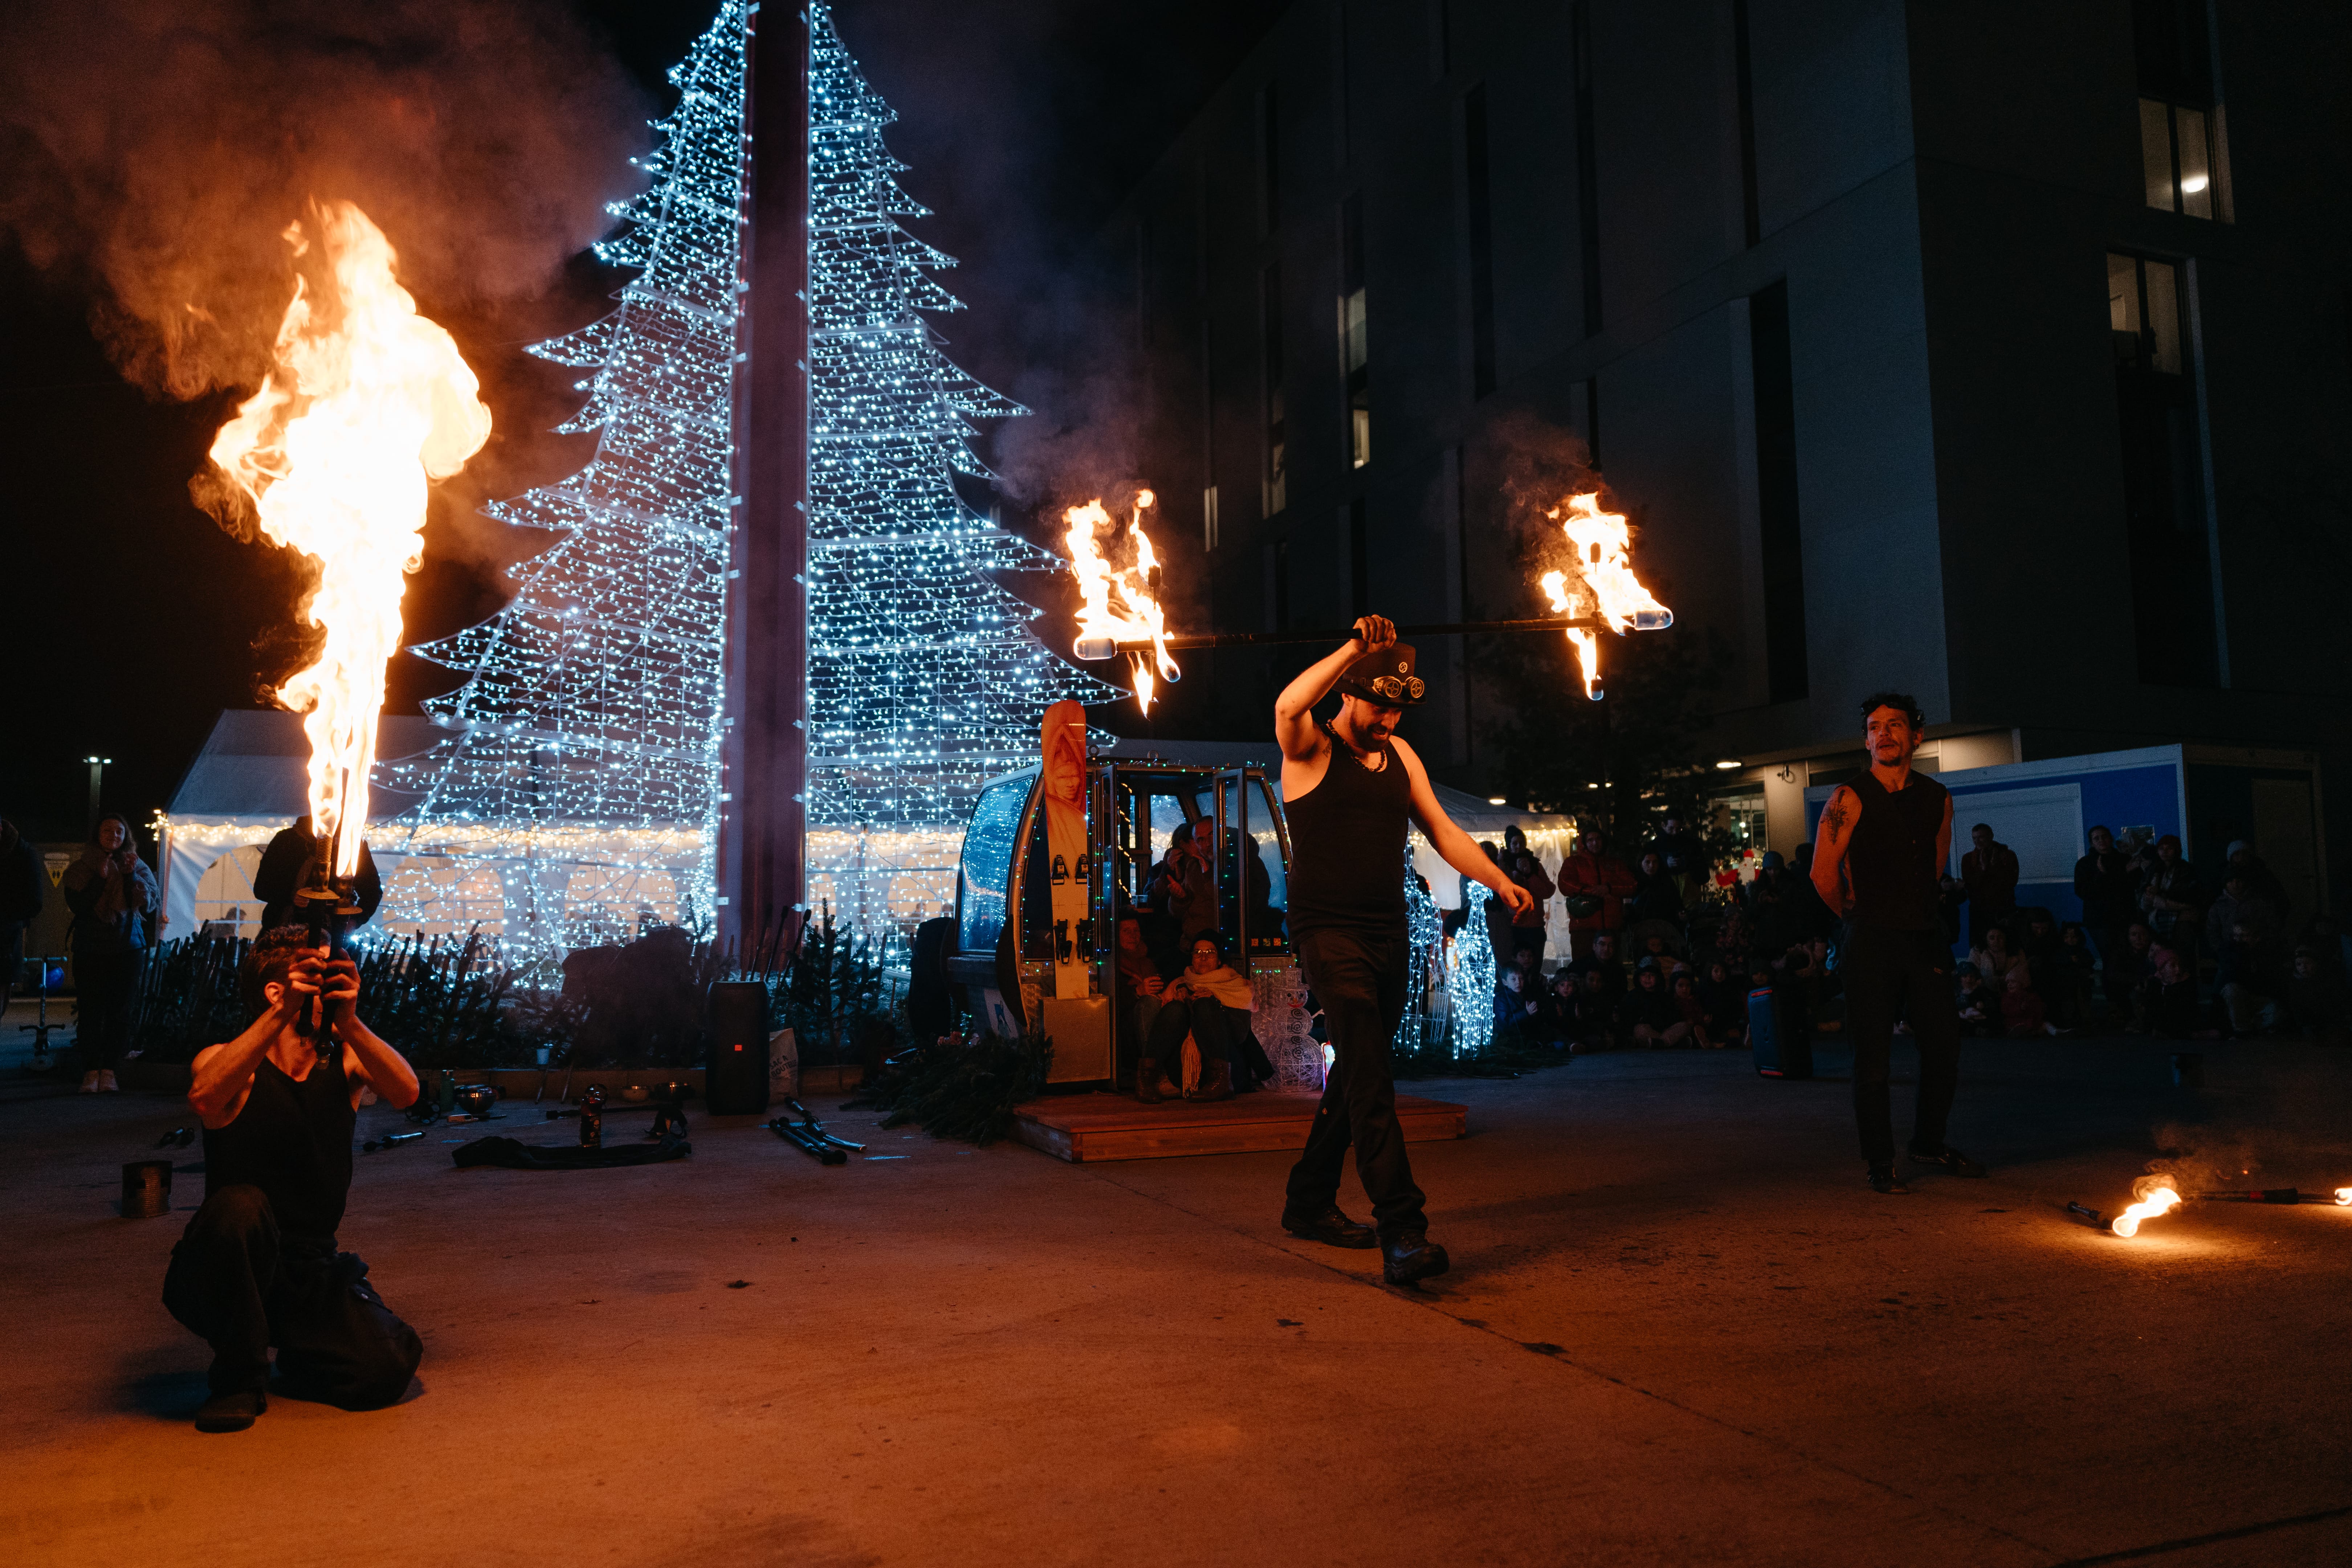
(1829, 847)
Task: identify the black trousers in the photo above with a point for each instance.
(104, 981)
(1212, 1026)
(1360, 980)
(244, 1285)
(1907, 974)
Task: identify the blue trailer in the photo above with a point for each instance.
(2210, 796)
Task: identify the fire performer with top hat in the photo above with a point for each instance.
(1350, 786)
(256, 1267)
(1882, 840)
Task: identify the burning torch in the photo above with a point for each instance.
(1121, 614)
(365, 404)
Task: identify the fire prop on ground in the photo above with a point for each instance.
(366, 403)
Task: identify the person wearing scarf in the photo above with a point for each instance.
(111, 894)
(1210, 1003)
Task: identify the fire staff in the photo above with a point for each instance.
(257, 1266)
(1883, 839)
(1349, 788)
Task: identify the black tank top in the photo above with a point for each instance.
(1892, 855)
(293, 1140)
(1347, 844)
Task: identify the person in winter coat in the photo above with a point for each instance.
(1650, 1016)
(1988, 872)
(1210, 1003)
(1655, 895)
(23, 888)
(1591, 873)
(112, 895)
(1520, 864)
(2109, 888)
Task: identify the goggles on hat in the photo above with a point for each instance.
(1398, 688)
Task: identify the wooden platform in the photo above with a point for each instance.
(1083, 1126)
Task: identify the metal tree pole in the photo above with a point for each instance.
(762, 814)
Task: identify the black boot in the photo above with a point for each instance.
(1216, 1080)
(1330, 1227)
(231, 1412)
(1882, 1179)
(1146, 1082)
(1950, 1158)
(1410, 1257)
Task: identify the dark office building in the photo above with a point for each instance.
(1999, 352)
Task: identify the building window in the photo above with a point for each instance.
(1360, 563)
(2165, 528)
(1482, 243)
(1353, 350)
(1275, 484)
(2181, 139)
(1209, 518)
(1787, 674)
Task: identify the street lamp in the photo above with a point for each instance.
(97, 772)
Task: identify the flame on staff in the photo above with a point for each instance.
(2153, 1198)
(1602, 584)
(2344, 1197)
(365, 403)
(1120, 602)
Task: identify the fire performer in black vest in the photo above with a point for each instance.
(1349, 788)
(1882, 840)
(257, 1265)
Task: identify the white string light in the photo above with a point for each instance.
(924, 677)
(591, 702)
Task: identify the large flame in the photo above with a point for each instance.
(1604, 586)
(365, 403)
(2155, 1201)
(1120, 602)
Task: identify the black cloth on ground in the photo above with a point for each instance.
(517, 1156)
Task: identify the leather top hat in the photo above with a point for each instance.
(1385, 678)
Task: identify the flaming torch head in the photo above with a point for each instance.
(365, 404)
(1118, 591)
(2151, 1199)
(1598, 581)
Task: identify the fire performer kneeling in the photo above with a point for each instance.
(1883, 839)
(1348, 788)
(257, 1265)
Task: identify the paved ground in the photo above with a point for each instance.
(1679, 1330)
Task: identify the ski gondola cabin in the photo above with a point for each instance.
(1039, 891)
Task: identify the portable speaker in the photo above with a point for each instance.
(735, 1082)
(1778, 1050)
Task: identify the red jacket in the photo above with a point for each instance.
(1604, 875)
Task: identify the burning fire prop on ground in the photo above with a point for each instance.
(1604, 586)
(2152, 1196)
(365, 404)
(1119, 604)
(1120, 611)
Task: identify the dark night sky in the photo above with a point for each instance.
(132, 618)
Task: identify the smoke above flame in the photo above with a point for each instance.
(1598, 581)
(365, 404)
(1118, 588)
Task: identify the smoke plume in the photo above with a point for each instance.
(158, 152)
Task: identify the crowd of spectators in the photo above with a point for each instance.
(1660, 957)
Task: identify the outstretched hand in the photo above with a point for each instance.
(1521, 901)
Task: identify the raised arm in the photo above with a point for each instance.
(1293, 711)
(1837, 831)
(1460, 850)
(221, 1075)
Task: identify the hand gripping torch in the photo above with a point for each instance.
(328, 905)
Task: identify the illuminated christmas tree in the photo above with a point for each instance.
(586, 744)
(924, 677)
